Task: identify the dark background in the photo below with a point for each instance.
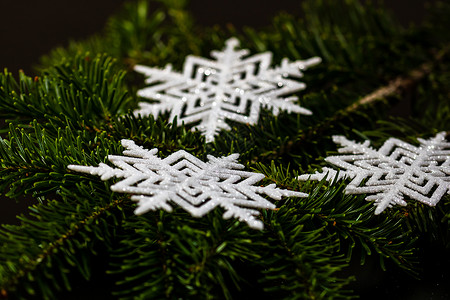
(31, 28)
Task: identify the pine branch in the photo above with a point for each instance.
(351, 220)
(33, 248)
(159, 133)
(296, 254)
(189, 257)
(82, 90)
(395, 88)
(35, 162)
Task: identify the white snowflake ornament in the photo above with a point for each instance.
(230, 87)
(185, 180)
(396, 170)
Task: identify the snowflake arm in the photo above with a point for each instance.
(196, 186)
(272, 98)
(103, 170)
(160, 81)
(395, 171)
(328, 174)
(231, 86)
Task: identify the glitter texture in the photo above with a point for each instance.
(231, 87)
(395, 171)
(196, 186)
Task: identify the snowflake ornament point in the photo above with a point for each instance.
(231, 86)
(182, 179)
(395, 171)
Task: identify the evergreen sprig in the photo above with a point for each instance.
(61, 236)
(83, 90)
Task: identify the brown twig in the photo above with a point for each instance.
(399, 84)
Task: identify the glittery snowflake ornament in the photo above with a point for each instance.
(196, 186)
(230, 87)
(395, 171)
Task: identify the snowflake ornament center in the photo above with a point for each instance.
(182, 179)
(230, 87)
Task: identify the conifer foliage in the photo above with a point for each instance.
(82, 240)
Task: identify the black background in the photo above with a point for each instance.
(30, 28)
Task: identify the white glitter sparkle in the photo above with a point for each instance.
(185, 180)
(230, 87)
(396, 170)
